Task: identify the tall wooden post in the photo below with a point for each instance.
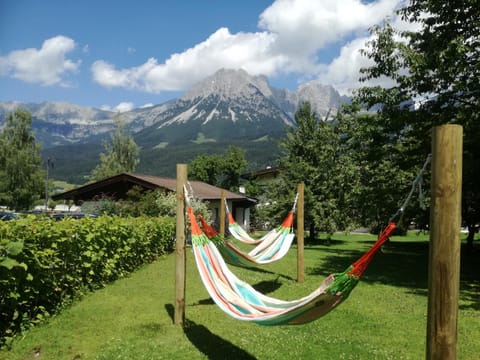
(180, 254)
(444, 256)
(300, 233)
(222, 214)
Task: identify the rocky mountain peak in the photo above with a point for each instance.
(229, 83)
(323, 98)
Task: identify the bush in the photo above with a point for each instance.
(45, 264)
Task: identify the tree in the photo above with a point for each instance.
(438, 69)
(313, 155)
(220, 170)
(206, 168)
(384, 170)
(121, 154)
(21, 179)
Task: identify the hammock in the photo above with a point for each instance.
(240, 234)
(272, 248)
(241, 301)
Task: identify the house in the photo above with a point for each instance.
(116, 187)
(263, 176)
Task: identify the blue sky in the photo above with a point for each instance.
(120, 55)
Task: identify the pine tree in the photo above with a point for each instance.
(21, 177)
(121, 154)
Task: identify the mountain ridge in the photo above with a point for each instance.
(227, 94)
(229, 107)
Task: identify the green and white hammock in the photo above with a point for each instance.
(271, 249)
(239, 233)
(241, 301)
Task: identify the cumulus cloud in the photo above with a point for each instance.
(305, 26)
(249, 51)
(46, 66)
(344, 71)
(292, 37)
(120, 108)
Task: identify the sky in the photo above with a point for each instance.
(120, 54)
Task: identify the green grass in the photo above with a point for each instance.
(201, 139)
(161, 145)
(384, 317)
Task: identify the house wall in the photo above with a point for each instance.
(241, 214)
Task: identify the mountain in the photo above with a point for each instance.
(229, 107)
(56, 123)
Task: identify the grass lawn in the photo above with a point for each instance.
(384, 317)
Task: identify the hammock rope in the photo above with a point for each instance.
(241, 301)
(239, 233)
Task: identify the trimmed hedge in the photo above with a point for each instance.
(45, 264)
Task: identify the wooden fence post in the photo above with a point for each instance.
(180, 254)
(444, 255)
(222, 214)
(300, 233)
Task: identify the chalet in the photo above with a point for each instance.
(116, 187)
(263, 176)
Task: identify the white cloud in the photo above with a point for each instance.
(222, 49)
(294, 32)
(344, 71)
(120, 108)
(123, 107)
(306, 26)
(46, 66)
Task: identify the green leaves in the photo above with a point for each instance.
(21, 180)
(66, 258)
(220, 170)
(436, 77)
(121, 154)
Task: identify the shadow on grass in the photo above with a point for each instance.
(263, 271)
(405, 264)
(264, 287)
(211, 345)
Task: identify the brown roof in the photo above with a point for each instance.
(201, 189)
(123, 182)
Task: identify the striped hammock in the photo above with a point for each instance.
(241, 301)
(240, 234)
(272, 248)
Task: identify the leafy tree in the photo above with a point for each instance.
(121, 154)
(206, 168)
(384, 169)
(438, 68)
(313, 155)
(21, 179)
(220, 170)
(156, 203)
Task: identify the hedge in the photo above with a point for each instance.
(45, 264)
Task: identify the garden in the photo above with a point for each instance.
(385, 316)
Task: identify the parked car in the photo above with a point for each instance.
(8, 215)
(60, 216)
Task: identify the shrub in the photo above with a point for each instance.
(45, 264)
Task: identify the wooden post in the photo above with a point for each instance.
(180, 254)
(300, 233)
(444, 256)
(222, 214)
